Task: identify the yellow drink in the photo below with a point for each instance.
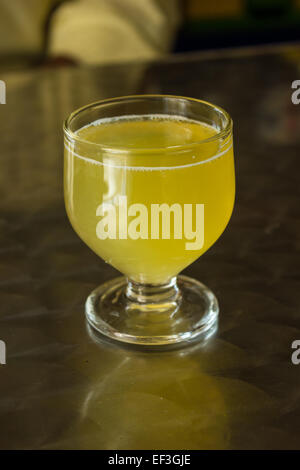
(148, 169)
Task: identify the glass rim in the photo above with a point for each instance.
(73, 136)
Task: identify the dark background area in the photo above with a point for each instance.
(233, 23)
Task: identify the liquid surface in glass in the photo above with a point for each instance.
(152, 160)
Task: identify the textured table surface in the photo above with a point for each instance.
(63, 388)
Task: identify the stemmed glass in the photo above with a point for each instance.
(149, 187)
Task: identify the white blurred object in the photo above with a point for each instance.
(90, 31)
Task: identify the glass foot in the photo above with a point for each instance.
(176, 313)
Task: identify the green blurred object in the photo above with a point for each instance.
(269, 7)
(259, 22)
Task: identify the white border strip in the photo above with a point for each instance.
(146, 168)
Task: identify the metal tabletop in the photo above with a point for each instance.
(64, 388)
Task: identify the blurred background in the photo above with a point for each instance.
(60, 387)
(55, 32)
(230, 23)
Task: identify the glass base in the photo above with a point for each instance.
(176, 313)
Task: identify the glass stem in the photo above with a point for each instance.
(150, 297)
